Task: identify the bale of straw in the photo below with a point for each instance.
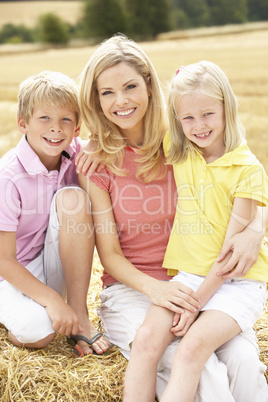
(53, 374)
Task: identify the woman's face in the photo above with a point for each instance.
(124, 98)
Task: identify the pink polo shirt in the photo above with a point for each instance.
(144, 215)
(26, 192)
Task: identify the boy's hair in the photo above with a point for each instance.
(48, 88)
(207, 78)
(110, 143)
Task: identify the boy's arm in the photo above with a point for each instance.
(64, 319)
(245, 246)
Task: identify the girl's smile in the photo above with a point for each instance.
(124, 97)
(203, 122)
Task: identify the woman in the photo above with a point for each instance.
(133, 206)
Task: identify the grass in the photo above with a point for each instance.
(27, 12)
(52, 374)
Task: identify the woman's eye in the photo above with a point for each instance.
(131, 86)
(106, 93)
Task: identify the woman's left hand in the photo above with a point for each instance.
(245, 247)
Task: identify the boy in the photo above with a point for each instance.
(46, 240)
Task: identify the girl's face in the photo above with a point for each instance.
(203, 121)
(124, 98)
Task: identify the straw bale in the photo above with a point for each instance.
(53, 374)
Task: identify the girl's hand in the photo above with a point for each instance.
(182, 323)
(245, 247)
(174, 296)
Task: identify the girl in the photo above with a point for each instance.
(133, 207)
(219, 184)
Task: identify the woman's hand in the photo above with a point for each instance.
(174, 296)
(86, 162)
(245, 247)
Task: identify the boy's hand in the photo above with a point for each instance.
(64, 319)
(182, 322)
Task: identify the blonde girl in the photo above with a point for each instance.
(133, 200)
(220, 184)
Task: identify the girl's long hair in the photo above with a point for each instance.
(209, 79)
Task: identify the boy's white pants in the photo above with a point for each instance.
(233, 373)
(27, 320)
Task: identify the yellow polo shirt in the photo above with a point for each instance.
(206, 194)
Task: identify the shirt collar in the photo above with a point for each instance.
(30, 160)
(241, 155)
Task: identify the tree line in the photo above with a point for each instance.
(140, 19)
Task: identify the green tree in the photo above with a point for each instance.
(103, 18)
(227, 11)
(147, 18)
(52, 29)
(15, 34)
(257, 10)
(194, 13)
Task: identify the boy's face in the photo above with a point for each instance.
(49, 131)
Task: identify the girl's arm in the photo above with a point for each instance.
(173, 296)
(245, 247)
(242, 214)
(64, 319)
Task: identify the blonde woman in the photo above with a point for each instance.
(133, 206)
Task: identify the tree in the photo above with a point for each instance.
(193, 13)
(147, 18)
(257, 10)
(52, 29)
(103, 18)
(15, 34)
(227, 11)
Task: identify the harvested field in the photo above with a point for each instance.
(53, 374)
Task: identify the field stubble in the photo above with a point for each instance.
(244, 58)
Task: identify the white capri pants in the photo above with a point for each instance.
(27, 320)
(233, 373)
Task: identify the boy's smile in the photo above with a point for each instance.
(49, 131)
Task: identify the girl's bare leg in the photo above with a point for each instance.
(151, 340)
(211, 330)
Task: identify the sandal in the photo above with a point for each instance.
(77, 350)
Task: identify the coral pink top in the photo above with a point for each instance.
(144, 215)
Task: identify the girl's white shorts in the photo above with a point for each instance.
(242, 299)
(123, 310)
(26, 319)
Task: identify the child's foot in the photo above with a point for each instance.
(99, 344)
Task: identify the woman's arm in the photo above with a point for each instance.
(242, 214)
(171, 295)
(86, 161)
(245, 247)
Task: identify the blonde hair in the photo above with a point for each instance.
(110, 142)
(48, 88)
(207, 78)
